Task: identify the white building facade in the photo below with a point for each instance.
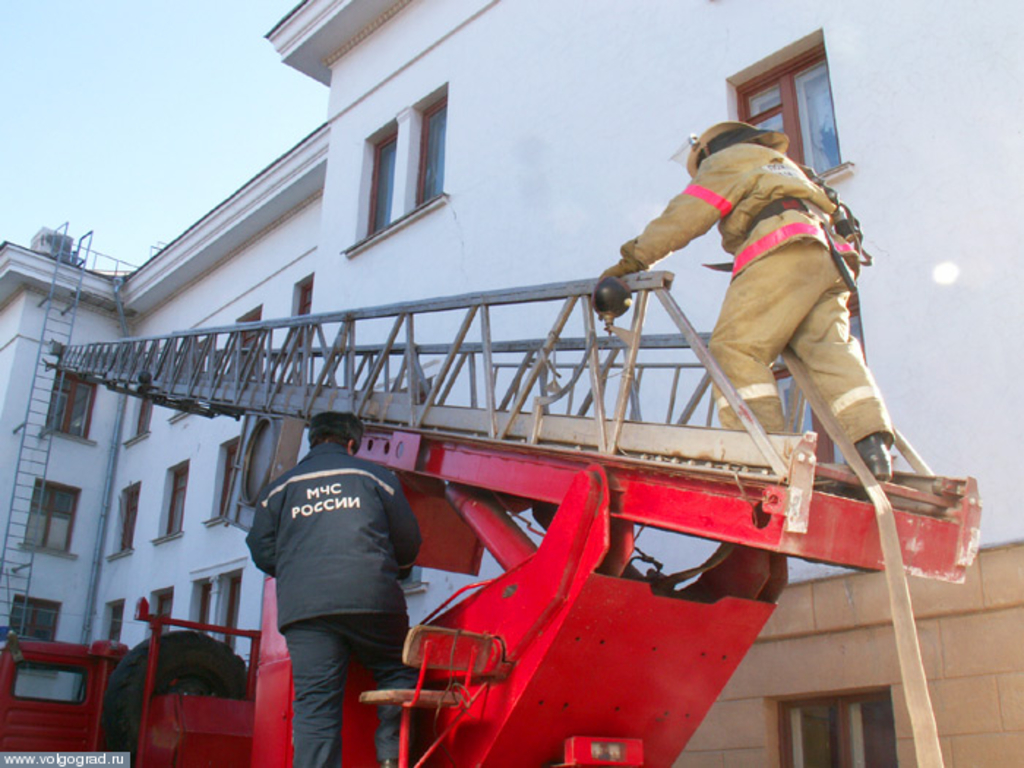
(483, 144)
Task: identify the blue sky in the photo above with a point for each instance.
(135, 119)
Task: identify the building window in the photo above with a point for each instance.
(431, 175)
(228, 473)
(71, 406)
(204, 598)
(129, 515)
(144, 416)
(115, 620)
(234, 600)
(382, 188)
(248, 339)
(34, 619)
(163, 604)
(51, 516)
(176, 503)
(796, 98)
(839, 731)
(304, 297)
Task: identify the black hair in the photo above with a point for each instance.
(335, 427)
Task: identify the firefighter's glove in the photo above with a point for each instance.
(627, 266)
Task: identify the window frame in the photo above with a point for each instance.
(304, 297)
(842, 702)
(143, 417)
(115, 618)
(178, 479)
(60, 417)
(129, 515)
(388, 140)
(229, 452)
(29, 630)
(204, 589)
(233, 602)
(424, 159)
(163, 603)
(247, 339)
(45, 487)
(784, 75)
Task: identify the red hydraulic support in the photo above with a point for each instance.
(589, 654)
(491, 523)
(750, 511)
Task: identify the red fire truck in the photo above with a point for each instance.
(572, 655)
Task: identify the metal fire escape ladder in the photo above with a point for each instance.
(22, 535)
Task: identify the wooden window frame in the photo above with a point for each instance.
(42, 509)
(229, 455)
(176, 508)
(143, 417)
(388, 140)
(205, 601)
(421, 181)
(783, 75)
(115, 620)
(163, 603)
(842, 702)
(61, 416)
(31, 607)
(304, 296)
(247, 339)
(234, 603)
(129, 515)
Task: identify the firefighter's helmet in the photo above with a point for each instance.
(722, 135)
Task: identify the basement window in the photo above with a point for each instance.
(838, 732)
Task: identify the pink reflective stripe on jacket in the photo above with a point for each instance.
(709, 197)
(776, 238)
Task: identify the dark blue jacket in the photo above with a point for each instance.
(334, 531)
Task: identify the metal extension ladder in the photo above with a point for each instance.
(21, 534)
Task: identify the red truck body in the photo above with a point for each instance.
(51, 700)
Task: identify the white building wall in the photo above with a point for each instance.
(63, 577)
(561, 118)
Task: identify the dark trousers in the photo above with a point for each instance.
(320, 649)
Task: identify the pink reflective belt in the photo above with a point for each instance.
(779, 236)
(709, 197)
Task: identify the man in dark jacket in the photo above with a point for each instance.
(337, 533)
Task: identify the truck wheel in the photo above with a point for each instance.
(190, 663)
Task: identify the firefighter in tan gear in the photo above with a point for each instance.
(787, 287)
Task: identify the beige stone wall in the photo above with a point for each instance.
(833, 636)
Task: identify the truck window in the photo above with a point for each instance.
(49, 682)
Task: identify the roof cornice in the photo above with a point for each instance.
(22, 268)
(319, 32)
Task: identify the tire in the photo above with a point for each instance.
(190, 663)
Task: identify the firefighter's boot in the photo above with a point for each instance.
(874, 450)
